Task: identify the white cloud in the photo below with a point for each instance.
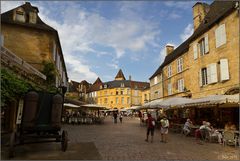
(188, 31)
(180, 4)
(79, 30)
(174, 15)
(8, 5)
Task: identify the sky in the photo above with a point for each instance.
(100, 37)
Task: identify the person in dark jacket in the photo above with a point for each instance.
(150, 127)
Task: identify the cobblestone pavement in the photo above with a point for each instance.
(124, 141)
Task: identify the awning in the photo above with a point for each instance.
(214, 100)
(134, 108)
(93, 106)
(70, 105)
(167, 103)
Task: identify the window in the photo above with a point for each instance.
(156, 93)
(169, 71)
(203, 45)
(128, 91)
(121, 92)
(32, 17)
(145, 96)
(116, 100)
(180, 65)
(122, 84)
(169, 88)
(180, 84)
(204, 76)
(105, 100)
(122, 100)
(135, 93)
(155, 80)
(220, 35)
(128, 100)
(105, 86)
(116, 92)
(20, 16)
(224, 72)
(208, 75)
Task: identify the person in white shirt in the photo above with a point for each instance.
(164, 128)
(187, 127)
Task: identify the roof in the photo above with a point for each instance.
(95, 86)
(120, 75)
(7, 18)
(127, 83)
(218, 10)
(73, 86)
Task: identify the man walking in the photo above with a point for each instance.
(150, 127)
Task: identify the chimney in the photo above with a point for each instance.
(199, 12)
(130, 77)
(169, 49)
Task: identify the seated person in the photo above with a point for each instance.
(216, 133)
(229, 126)
(187, 127)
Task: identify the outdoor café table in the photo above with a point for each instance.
(193, 128)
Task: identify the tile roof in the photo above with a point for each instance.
(120, 75)
(218, 10)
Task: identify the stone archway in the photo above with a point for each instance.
(231, 91)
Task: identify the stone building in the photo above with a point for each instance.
(119, 93)
(207, 63)
(25, 34)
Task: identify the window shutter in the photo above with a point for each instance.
(200, 77)
(223, 34)
(209, 74)
(213, 68)
(224, 69)
(217, 37)
(182, 85)
(206, 44)
(195, 53)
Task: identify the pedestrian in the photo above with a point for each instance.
(115, 117)
(164, 128)
(120, 117)
(150, 127)
(140, 117)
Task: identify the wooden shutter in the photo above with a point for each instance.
(224, 69)
(206, 44)
(200, 77)
(220, 35)
(223, 34)
(217, 37)
(213, 68)
(182, 80)
(195, 52)
(209, 74)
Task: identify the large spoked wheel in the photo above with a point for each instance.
(64, 140)
(12, 145)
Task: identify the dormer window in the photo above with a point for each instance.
(20, 15)
(105, 86)
(32, 17)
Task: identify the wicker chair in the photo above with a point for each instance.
(229, 138)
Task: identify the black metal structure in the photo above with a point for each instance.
(41, 121)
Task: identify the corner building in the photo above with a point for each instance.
(119, 93)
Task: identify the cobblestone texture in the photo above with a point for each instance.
(124, 141)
